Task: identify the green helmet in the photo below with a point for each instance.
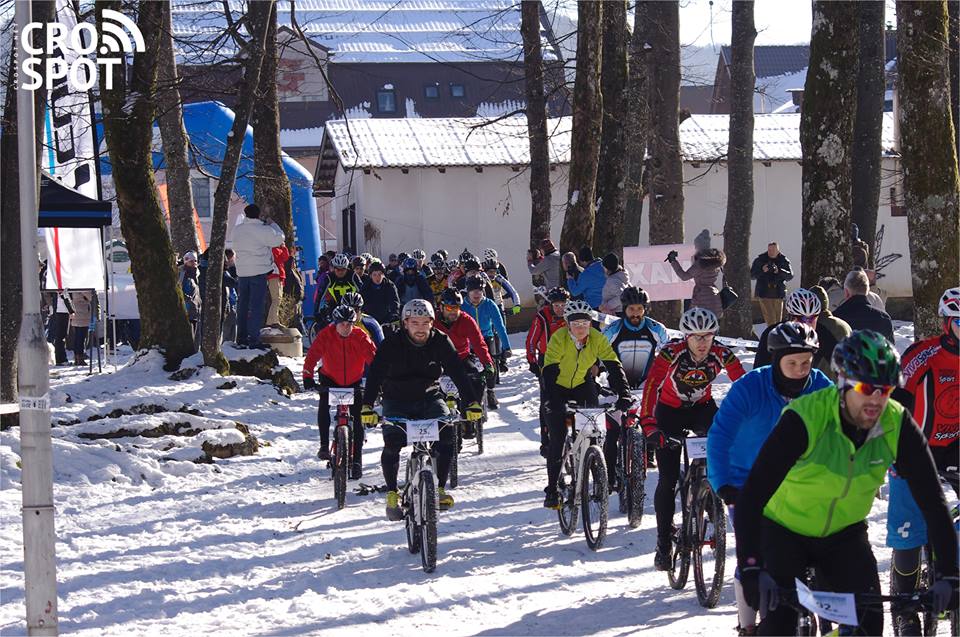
(867, 356)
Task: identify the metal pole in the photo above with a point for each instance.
(39, 563)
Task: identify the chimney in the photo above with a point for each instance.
(797, 95)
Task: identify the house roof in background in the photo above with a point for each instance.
(773, 60)
(380, 31)
(440, 142)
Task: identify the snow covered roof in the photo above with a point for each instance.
(448, 142)
(384, 30)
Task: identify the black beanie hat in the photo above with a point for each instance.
(611, 262)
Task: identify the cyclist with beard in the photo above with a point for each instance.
(636, 337)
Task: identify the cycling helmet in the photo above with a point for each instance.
(490, 253)
(443, 253)
(466, 255)
(427, 270)
(950, 303)
(340, 261)
(403, 256)
(353, 299)
(802, 302)
(343, 314)
(867, 356)
(577, 309)
(451, 265)
(367, 257)
(489, 264)
(470, 264)
(358, 262)
(409, 264)
(418, 254)
(473, 283)
(698, 320)
(417, 307)
(632, 295)
(451, 296)
(793, 335)
(437, 260)
(558, 295)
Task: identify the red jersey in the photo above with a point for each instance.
(930, 374)
(342, 360)
(677, 380)
(545, 323)
(466, 336)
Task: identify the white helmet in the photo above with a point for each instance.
(698, 320)
(417, 307)
(577, 309)
(367, 257)
(802, 302)
(950, 303)
(340, 261)
(490, 253)
(418, 254)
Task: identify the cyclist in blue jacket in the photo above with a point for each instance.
(487, 315)
(749, 413)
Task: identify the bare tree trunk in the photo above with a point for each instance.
(665, 164)
(128, 111)
(585, 138)
(612, 170)
(536, 122)
(738, 319)
(953, 32)
(258, 27)
(930, 179)
(183, 231)
(868, 125)
(826, 137)
(637, 123)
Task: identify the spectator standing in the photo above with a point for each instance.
(275, 284)
(830, 331)
(253, 242)
(229, 316)
(772, 270)
(293, 289)
(80, 323)
(60, 325)
(857, 311)
(705, 270)
(188, 278)
(547, 265)
(589, 285)
(617, 281)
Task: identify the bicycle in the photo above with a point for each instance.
(631, 468)
(699, 523)
(451, 397)
(583, 475)
(341, 451)
(418, 497)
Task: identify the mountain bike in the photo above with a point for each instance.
(699, 528)
(341, 451)
(418, 497)
(583, 474)
(631, 468)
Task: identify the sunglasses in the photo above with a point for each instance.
(700, 337)
(869, 389)
(450, 308)
(580, 323)
(807, 320)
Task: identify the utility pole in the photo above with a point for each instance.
(39, 558)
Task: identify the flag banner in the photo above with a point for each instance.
(650, 271)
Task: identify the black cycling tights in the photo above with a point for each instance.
(395, 439)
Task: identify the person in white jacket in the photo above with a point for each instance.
(617, 281)
(253, 242)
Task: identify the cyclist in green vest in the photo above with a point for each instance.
(806, 499)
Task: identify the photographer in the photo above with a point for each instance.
(772, 270)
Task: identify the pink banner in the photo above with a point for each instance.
(649, 271)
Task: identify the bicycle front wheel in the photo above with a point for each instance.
(428, 521)
(478, 428)
(709, 545)
(453, 478)
(410, 521)
(680, 551)
(594, 498)
(636, 470)
(341, 451)
(567, 485)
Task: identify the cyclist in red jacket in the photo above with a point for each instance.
(467, 339)
(342, 351)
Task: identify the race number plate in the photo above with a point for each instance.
(447, 386)
(423, 430)
(837, 607)
(341, 396)
(696, 448)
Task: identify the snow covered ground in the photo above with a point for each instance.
(255, 546)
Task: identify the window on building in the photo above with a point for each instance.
(431, 91)
(202, 201)
(457, 90)
(387, 101)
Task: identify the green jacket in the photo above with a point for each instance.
(833, 484)
(573, 363)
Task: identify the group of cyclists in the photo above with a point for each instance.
(796, 457)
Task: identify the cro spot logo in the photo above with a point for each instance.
(120, 36)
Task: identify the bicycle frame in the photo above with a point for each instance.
(591, 433)
(420, 460)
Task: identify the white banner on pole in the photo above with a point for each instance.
(649, 271)
(74, 259)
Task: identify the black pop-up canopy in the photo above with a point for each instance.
(63, 207)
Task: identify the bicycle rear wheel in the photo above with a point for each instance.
(428, 521)
(567, 485)
(709, 545)
(636, 471)
(594, 498)
(680, 550)
(341, 451)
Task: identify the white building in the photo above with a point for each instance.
(398, 184)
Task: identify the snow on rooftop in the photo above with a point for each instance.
(393, 143)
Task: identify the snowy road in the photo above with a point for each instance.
(180, 548)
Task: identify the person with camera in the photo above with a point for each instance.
(772, 270)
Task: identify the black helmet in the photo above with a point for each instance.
(466, 255)
(473, 283)
(632, 295)
(343, 314)
(558, 295)
(352, 299)
(490, 264)
(358, 262)
(867, 356)
(451, 296)
(427, 270)
(437, 260)
(793, 335)
(403, 256)
(443, 254)
(469, 264)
